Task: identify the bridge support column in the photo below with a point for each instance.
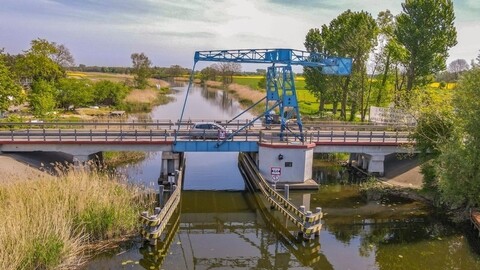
(290, 163)
(79, 161)
(169, 167)
(359, 160)
(376, 164)
(365, 162)
(351, 158)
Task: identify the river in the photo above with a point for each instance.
(221, 225)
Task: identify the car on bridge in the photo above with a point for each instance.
(209, 130)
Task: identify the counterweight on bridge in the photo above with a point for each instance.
(280, 82)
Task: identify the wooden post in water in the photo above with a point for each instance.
(318, 211)
(161, 189)
(145, 227)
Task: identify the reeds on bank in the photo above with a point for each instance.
(47, 223)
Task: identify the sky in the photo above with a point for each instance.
(107, 32)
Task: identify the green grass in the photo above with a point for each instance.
(52, 223)
(250, 81)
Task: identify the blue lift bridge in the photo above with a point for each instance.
(280, 83)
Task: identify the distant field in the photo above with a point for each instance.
(97, 76)
(250, 81)
(307, 102)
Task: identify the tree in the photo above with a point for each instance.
(315, 81)
(227, 70)
(452, 137)
(384, 58)
(459, 176)
(426, 29)
(109, 93)
(209, 73)
(10, 91)
(351, 34)
(141, 69)
(42, 98)
(176, 71)
(457, 67)
(37, 63)
(478, 60)
(63, 57)
(74, 92)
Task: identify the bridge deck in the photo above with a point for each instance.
(151, 135)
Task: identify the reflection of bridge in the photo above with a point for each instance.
(257, 238)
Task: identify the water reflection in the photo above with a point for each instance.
(202, 104)
(220, 229)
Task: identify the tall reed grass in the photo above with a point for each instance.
(48, 223)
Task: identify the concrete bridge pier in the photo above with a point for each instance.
(373, 163)
(169, 167)
(287, 164)
(351, 158)
(360, 158)
(376, 164)
(80, 160)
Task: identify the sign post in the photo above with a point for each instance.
(275, 172)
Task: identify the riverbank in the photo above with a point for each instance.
(51, 222)
(404, 179)
(12, 170)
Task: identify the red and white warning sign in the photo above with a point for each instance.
(275, 172)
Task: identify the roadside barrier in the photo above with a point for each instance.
(153, 226)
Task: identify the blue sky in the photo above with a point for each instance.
(107, 32)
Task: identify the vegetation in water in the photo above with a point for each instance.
(52, 223)
(116, 158)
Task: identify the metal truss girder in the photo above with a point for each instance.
(330, 65)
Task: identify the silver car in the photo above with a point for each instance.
(209, 130)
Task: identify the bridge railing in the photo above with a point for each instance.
(116, 124)
(332, 136)
(119, 124)
(153, 135)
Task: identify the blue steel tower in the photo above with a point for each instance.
(280, 81)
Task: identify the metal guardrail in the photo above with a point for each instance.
(169, 124)
(154, 225)
(308, 223)
(154, 256)
(262, 136)
(118, 124)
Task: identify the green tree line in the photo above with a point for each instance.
(38, 76)
(394, 57)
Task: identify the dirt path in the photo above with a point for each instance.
(12, 170)
(16, 167)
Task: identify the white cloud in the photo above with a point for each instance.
(107, 32)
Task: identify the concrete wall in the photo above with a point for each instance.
(295, 162)
(79, 149)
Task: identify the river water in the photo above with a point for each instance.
(221, 225)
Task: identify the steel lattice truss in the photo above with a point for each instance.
(330, 65)
(280, 84)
